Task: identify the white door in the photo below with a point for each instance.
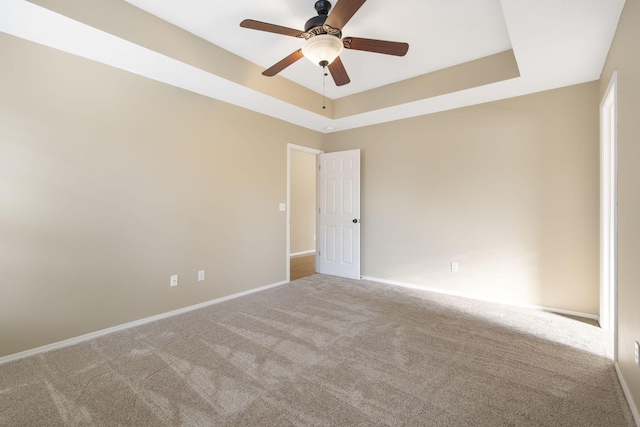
(338, 237)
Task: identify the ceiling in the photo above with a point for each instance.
(440, 34)
(556, 43)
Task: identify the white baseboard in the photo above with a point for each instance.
(312, 251)
(81, 338)
(480, 298)
(627, 394)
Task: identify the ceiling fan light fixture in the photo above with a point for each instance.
(322, 49)
(323, 40)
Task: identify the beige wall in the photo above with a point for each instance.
(110, 183)
(624, 57)
(303, 202)
(509, 190)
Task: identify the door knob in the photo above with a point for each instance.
(355, 221)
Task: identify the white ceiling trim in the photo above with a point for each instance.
(556, 44)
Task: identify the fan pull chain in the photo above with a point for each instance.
(324, 86)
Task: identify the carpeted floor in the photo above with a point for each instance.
(327, 351)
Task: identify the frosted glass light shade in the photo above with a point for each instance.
(324, 47)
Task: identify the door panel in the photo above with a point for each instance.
(339, 205)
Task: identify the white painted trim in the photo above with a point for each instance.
(608, 211)
(307, 150)
(480, 298)
(312, 251)
(304, 149)
(627, 394)
(82, 338)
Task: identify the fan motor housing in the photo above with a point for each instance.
(316, 21)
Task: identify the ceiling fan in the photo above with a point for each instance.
(323, 39)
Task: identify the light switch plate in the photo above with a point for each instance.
(200, 275)
(283, 207)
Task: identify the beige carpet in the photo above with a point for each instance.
(327, 351)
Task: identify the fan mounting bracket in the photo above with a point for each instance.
(322, 7)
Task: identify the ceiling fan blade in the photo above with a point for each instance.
(270, 28)
(338, 72)
(342, 13)
(275, 69)
(377, 46)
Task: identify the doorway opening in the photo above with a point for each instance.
(301, 212)
(608, 213)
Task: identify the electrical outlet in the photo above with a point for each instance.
(174, 280)
(638, 354)
(454, 267)
(200, 275)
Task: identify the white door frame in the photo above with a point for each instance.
(303, 149)
(608, 212)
